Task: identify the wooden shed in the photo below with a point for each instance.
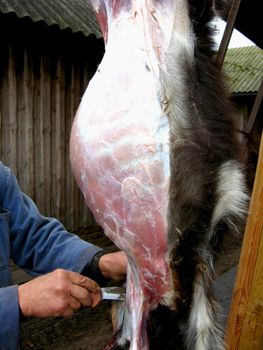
(49, 51)
(48, 54)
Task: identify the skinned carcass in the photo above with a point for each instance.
(157, 158)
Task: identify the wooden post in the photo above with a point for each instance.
(245, 322)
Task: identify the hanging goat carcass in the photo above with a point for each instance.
(156, 156)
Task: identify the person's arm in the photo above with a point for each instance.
(58, 293)
(9, 318)
(40, 244)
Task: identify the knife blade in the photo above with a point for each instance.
(113, 293)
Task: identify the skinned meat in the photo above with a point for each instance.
(152, 148)
(120, 158)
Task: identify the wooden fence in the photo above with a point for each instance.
(43, 74)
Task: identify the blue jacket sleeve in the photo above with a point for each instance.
(9, 318)
(40, 244)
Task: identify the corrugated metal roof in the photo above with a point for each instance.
(244, 68)
(73, 14)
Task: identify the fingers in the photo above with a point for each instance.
(58, 293)
(84, 282)
(84, 290)
(81, 294)
(96, 299)
(74, 304)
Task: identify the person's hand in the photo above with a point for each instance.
(114, 266)
(58, 293)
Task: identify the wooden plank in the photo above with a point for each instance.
(25, 123)
(72, 103)
(244, 329)
(255, 109)
(58, 140)
(252, 331)
(86, 217)
(228, 31)
(9, 113)
(42, 129)
(69, 115)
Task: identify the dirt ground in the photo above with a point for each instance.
(91, 329)
(88, 329)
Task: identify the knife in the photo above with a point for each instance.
(113, 293)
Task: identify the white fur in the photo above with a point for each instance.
(231, 193)
(202, 324)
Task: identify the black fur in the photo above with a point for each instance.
(207, 141)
